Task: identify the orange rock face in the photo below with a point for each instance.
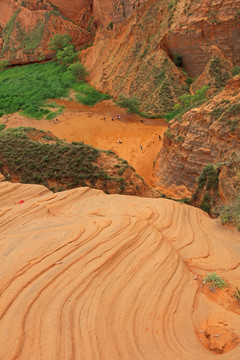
(211, 25)
(204, 135)
(135, 58)
(86, 276)
(26, 37)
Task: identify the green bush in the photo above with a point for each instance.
(59, 42)
(187, 102)
(231, 213)
(88, 95)
(110, 26)
(79, 71)
(235, 71)
(4, 64)
(67, 56)
(177, 59)
(131, 103)
(214, 281)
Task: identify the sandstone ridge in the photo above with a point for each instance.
(114, 277)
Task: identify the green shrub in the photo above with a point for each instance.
(87, 95)
(67, 56)
(231, 213)
(59, 42)
(26, 88)
(187, 102)
(177, 59)
(2, 127)
(131, 103)
(79, 71)
(4, 64)
(214, 281)
(110, 26)
(235, 71)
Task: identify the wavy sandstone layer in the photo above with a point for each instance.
(86, 275)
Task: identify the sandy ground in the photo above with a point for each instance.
(87, 276)
(87, 124)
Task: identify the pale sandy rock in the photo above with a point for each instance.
(89, 276)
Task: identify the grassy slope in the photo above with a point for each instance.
(27, 88)
(33, 156)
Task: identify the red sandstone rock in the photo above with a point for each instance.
(205, 135)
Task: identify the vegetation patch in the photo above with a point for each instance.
(214, 281)
(33, 156)
(131, 103)
(27, 88)
(218, 71)
(87, 95)
(207, 190)
(187, 102)
(231, 213)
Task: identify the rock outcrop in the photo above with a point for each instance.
(85, 275)
(205, 135)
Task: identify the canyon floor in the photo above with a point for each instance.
(87, 124)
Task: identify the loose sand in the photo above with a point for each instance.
(87, 276)
(87, 124)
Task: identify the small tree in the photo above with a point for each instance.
(79, 71)
(4, 64)
(67, 56)
(59, 42)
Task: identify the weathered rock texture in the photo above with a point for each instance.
(135, 58)
(87, 276)
(135, 41)
(204, 135)
(26, 26)
(203, 25)
(26, 36)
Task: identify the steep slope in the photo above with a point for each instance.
(26, 36)
(95, 276)
(205, 135)
(136, 58)
(37, 157)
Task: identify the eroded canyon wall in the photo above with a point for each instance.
(208, 134)
(136, 58)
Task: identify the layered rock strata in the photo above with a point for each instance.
(86, 275)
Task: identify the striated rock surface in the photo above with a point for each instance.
(86, 275)
(204, 135)
(198, 26)
(26, 36)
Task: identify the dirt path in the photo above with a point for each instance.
(87, 124)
